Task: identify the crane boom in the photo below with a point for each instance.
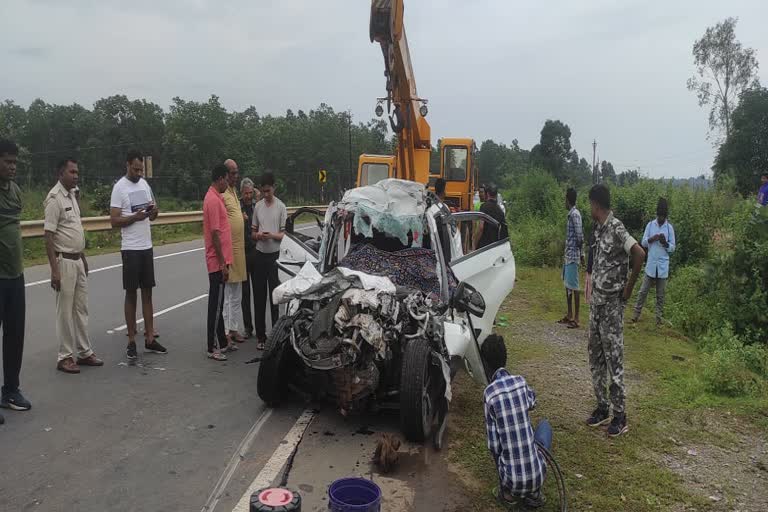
(407, 113)
(403, 103)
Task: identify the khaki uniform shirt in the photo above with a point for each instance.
(62, 218)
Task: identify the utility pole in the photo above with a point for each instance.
(349, 127)
(595, 179)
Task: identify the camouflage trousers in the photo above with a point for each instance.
(606, 353)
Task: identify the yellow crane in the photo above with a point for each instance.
(407, 116)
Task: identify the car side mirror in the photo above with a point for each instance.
(466, 299)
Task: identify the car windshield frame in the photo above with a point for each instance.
(332, 232)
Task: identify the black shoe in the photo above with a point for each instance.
(599, 417)
(154, 346)
(15, 400)
(130, 352)
(618, 426)
(2, 419)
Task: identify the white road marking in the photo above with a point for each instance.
(159, 313)
(239, 455)
(162, 256)
(275, 464)
(110, 267)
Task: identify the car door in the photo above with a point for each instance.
(491, 270)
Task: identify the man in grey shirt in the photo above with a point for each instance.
(267, 230)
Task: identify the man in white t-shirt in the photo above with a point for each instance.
(267, 230)
(131, 208)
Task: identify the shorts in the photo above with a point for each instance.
(138, 269)
(571, 276)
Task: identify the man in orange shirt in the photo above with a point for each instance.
(217, 235)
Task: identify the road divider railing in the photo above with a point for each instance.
(35, 228)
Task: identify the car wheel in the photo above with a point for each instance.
(275, 368)
(419, 389)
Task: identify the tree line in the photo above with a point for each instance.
(191, 136)
(187, 140)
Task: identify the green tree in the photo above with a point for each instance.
(744, 154)
(628, 177)
(607, 172)
(725, 69)
(554, 148)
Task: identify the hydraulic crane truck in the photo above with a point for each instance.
(407, 116)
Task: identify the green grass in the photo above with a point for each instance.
(668, 406)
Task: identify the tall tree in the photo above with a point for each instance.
(725, 69)
(744, 154)
(607, 172)
(554, 148)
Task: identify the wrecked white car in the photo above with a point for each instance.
(388, 308)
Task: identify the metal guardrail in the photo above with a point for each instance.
(34, 228)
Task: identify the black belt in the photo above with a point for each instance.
(69, 256)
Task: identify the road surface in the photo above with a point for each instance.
(175, 432)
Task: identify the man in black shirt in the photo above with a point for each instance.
(488, 234)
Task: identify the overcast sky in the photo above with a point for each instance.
(611, 70)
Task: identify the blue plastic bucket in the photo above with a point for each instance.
(354, 495)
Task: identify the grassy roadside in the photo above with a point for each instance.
(671, 415)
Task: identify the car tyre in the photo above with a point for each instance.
(275, 367)
(418, 391)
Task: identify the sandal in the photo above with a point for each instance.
(260, 345)
(565, 320)
(573, 324)
(217, 356)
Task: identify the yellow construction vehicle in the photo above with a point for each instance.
(407, 116)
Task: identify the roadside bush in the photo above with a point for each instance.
(692, 303)
(725, 373)
(537, 241)
(733, 368)
(99, 198)
(537, 195)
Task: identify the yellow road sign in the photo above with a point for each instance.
(322, 176)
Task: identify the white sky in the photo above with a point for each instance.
(614, 71)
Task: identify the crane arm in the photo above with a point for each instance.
(403, 102)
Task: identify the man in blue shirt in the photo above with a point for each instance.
(762, 194)
(659, 240)
(511, 437)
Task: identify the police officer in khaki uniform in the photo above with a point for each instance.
(64, 243)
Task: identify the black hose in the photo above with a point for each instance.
(561, 491)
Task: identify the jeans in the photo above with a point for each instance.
(12, 316)
(265, 280)
(661, 287)
(215, 311)
(543, 434)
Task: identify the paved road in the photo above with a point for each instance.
(174, 432)
(155, 436)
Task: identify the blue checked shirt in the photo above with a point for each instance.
(507, 401)
(574, 237)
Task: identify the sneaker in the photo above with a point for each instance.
(15, 400)
(154, 346)
(130, 352)
(618, 426)
(599, 417)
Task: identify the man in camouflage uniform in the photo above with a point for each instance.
(611, 289)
